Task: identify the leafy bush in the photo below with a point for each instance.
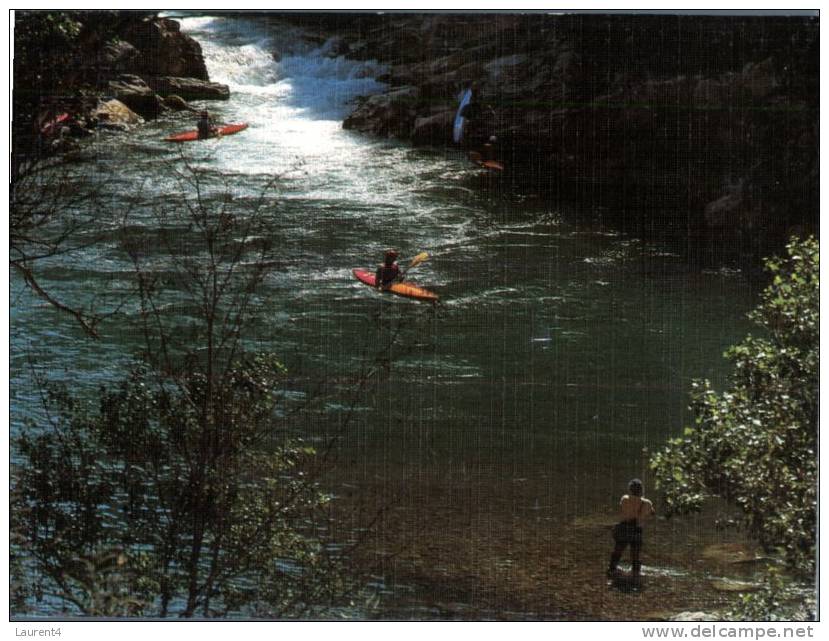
(756, 443)
(217, 516)
(775, 601)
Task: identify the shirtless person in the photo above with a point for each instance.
(634, 510)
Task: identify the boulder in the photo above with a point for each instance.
(115, 114)
(435, 129)
(567, 66)
(177, 103)
(719, 93)
(728, 211)
(760, 79)
(593, 95)
(694, 616)
(188, 88)
(120, 57)
(389, 114)
(730, 585)
(135, 94)
(503, 71)
(165, 51)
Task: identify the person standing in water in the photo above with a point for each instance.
(389, 271)
(634, 510)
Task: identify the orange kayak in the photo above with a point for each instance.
(224, 130)
(476, 157)
(401, 289)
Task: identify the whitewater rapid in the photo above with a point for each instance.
(293, 94)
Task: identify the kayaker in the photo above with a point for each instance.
(635, 509)
(389, 271)
(488, 150)
(205, 126)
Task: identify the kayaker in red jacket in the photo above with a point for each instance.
(389, 271)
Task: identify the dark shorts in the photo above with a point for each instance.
(627, 533)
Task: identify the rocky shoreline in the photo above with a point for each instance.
(698, 130)
(106, 69)
(692, 128)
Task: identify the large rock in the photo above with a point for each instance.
(165, 50)
(114, 113)
(389, 114)
(334, 47)
(760, 78)
(719, 93)
(177, 103)
(694, 616)
(506, 72)
(120, 57)
(188, 88)
(727, 212)
(433, 130)
(135, 94)
(732, 585)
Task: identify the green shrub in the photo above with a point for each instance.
(756, 443)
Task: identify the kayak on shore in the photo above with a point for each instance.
(407, 290)
(223, 130)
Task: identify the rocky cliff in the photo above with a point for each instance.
(693, 127)
(124, 65)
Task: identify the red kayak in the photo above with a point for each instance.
(401, 289)
(52, 126)
(494, 165)
(224, 130)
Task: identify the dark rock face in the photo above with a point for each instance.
(165, 50)
(433, 130)
(390, 114)
(120, 57)
(170, 62)
(655, 118)
(188, 88)
(135, 94)
(177, 103)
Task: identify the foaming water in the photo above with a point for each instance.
(278, 76)
(293, 96)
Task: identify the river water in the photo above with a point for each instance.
(510, 417)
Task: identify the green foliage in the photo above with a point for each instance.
(756, 444)
(776, 601)
(42, 37)
(132, 480)
(45, 43)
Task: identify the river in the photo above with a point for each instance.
(506, 431)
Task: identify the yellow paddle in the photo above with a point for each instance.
(422, 256)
